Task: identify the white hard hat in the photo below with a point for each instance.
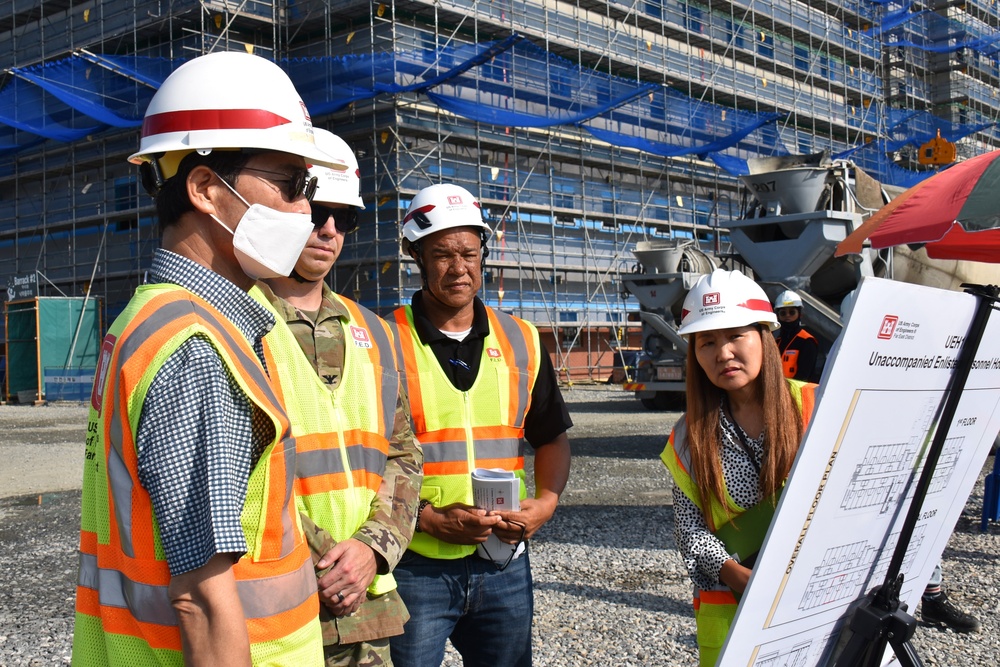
(788, 299)
(229, 100)
(337, 187)
(439, 207)
(725, 300)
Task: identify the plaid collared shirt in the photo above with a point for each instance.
(199, 435)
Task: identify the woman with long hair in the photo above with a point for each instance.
(730, 453)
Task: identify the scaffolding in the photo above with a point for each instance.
(567, 200)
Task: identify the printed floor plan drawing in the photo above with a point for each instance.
(797, 656)
(882, 476)
(846, 569)
(843, 509)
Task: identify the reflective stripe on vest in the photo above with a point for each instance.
(342, 435)
(716, 608)
(479, 428)
(123, 611)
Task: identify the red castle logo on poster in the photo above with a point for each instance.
(888, 327)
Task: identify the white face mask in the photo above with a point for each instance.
(268, 242)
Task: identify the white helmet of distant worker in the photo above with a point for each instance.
(725, 300)
(440, 207)
(788, 299)
(225, 100)
(335, 186)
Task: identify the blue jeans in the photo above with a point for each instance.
(486, 613)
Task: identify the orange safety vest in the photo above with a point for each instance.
(123, 611)
(479, 428)
(715, 608)
(790, 357)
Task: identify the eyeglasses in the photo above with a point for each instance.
(344, 219)
(787, 312)
(298, 183)
(514, 548)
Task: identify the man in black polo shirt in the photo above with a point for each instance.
(480, 385)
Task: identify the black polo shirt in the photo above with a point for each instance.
(547, 416)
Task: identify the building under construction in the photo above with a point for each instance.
(584, 126)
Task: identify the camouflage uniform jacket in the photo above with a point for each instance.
(389, 528)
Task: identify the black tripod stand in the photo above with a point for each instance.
(879, 618)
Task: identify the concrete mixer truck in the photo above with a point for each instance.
(665, 272)
(794, 212)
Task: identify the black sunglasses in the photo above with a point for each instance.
(298, 183)
(344, 219)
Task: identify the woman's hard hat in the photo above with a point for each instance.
(725, 300)
(228, 100)
(440, 207)
(788, 299)
(337, 187)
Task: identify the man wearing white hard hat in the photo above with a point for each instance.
(357, 532)
(799, 348)
(480, 385)
(730, 453)
(191, 551)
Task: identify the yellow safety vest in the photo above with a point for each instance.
(715, 608)
(123, 612)
(342, 435)
(464, 430)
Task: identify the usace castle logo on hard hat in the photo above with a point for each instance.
(710, 299)
(454, 200)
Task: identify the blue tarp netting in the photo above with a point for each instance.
(668, 123)
(873, 158)
(330, 84)
(525, 86)
(511, 83)
(26, 107)
(927, 31)
(919, 127)
(68, 99)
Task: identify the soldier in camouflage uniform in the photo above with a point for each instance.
(356, 624)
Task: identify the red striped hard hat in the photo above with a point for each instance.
(725, 300)
(229, 100)
(439, 207)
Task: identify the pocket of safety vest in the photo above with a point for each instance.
(434, 494)
(713, 621)
(263, 510)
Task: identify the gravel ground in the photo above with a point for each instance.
(610, 588)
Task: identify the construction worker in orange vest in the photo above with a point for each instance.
(191, 548)
(799, 348)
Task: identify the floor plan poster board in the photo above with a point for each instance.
(842, 509)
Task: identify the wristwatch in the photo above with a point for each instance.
(420, 508)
